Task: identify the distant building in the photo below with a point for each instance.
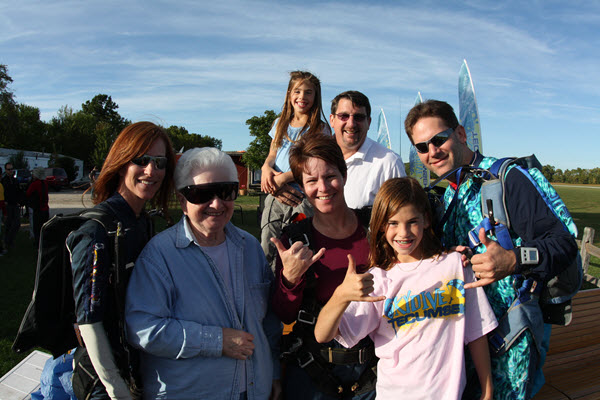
(248, 177)
(36, 159)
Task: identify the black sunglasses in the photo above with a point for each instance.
(357, 117)
(437, 141)
(199, 194)
(160, 162)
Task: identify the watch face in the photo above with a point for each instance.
(533, 256)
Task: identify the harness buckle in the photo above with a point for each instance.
(361, 355)
(474, 237)
(497, 343)
(306, 317)
(292, 348)
(307, 362)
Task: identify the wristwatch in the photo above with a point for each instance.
(529, 256)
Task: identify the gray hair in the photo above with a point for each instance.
(196, 160)
(39, 173)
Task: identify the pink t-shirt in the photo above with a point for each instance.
(421, 328)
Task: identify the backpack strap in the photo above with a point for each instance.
(104, 215)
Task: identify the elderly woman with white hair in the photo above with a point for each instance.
(198, 300)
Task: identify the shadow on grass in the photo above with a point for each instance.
(16, 286)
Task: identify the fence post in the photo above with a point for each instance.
(588, 237)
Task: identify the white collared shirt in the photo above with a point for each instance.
(368, 168)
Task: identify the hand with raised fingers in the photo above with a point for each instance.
(296, 260)
(237, 344)
(493, 265)
(357, 287)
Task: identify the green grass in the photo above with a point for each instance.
(16, 286)
(18, 267)
(584, 205)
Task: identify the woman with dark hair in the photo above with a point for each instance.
(308, 272)
(139, 168)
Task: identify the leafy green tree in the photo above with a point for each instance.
(104, 139)
(104, 109)
(182, 139)
(89, 133)
(6, 96)
(259, 127)
(30, 129)
(72, 134)
(595, 176)
(558, 176)
(548, 171)
(8, 110)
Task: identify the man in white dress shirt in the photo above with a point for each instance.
(369, 163)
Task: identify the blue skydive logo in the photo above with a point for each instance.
(404, 310)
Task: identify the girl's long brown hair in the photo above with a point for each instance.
(134, 141)
(394, 194)
(316, 116)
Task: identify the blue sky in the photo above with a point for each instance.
(210, 66)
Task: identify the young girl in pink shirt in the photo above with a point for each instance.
(412, 303)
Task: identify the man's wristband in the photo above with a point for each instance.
(526, 258)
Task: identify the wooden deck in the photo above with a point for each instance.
(572, 368)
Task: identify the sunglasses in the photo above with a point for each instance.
(160, 162)
(199, 194)
(345, 117)
(437, 141)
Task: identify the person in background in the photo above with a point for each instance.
(2, 214)
(138, 169)
(37, 200)
(198, 300)
(12, 197)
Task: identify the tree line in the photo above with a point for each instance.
(579, 175)
(86, 134)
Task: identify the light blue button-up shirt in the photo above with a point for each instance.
(177, 305)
